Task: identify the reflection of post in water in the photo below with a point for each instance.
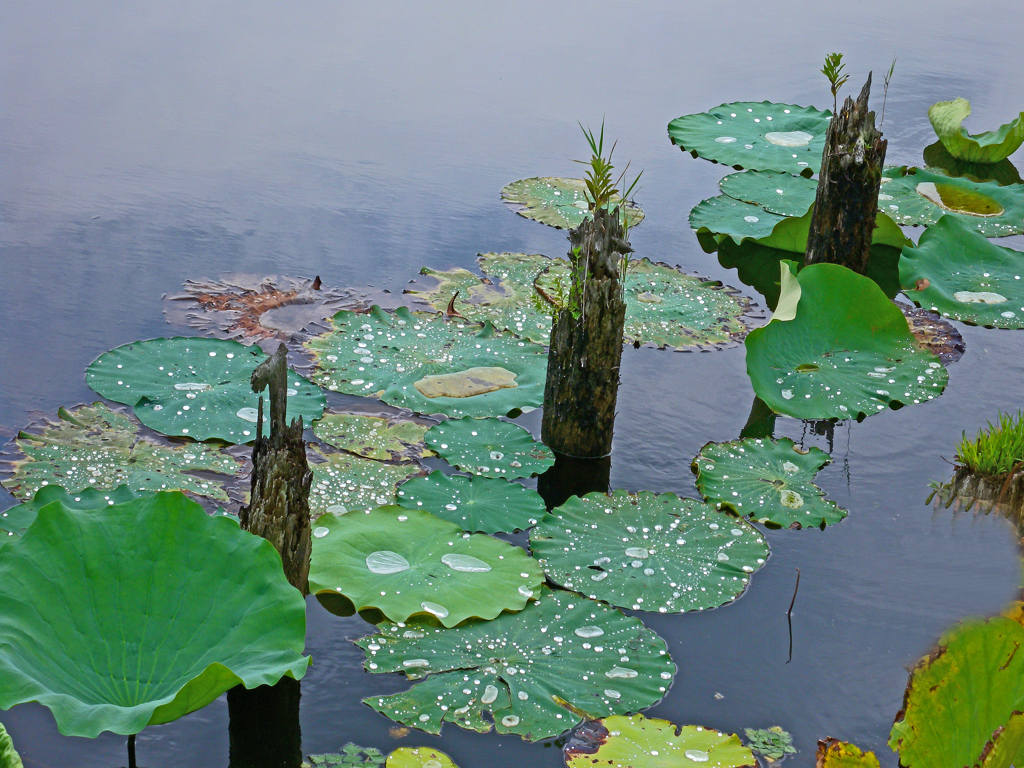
(760, 422)
(571, 476)
(263, 725)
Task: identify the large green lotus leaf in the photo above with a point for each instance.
(961, 695)
(961, 274)
(9, 757)
(989, 147)
(923, 197)
(429, 363)
(406, 562)
(848, 353)
(636, 741)
(374, 437)
(15, 520)
(648, 552)
(140, 613)
(537, 673)
(344, 483)
(490, 448)
(195, 387)
(419, 757)
(559, 203)
(937, 159)
(769, 481)
(833, 753)
(485, 504)
(92, 446)
(758, 135)
(779, 193)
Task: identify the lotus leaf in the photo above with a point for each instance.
(538, 673)
(957, 272)
(351, 754)
(92, 446)
(923, 197)
(406, 562)
(373, 437)
(485, 504)
(419, 757)
(8, 755)
(989, 147)
(15, 520)
(847, 353)
(780, 193)
(490, 448)
(769, 481)
(559, 203)
(636, 741)
(140, 613)
(963, 697)
(758, 135)
(400, 356)
(648, 552)
(346, 483)
(833, 753)
(937, 159)
(194, 387)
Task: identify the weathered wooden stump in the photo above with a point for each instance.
(586, 343)
(846, 202)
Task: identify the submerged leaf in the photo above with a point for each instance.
(198, 388)
(346, 483)
(848, 353)
(768, 481)
(642, 742)
(374, 437)
(960, 274)
(648, 552)
(559, 203)
(537, 673)
(178, 608)
(95, 447)
(758, 135)
(9, 757)
(406, 562)
(833, 753)
(490, 448)
(485, 504)
(989, 147)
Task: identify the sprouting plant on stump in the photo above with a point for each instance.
(833, 70)
(885, 90)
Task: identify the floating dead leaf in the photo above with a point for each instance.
(472, 381)
(833, 753)
(934, 333)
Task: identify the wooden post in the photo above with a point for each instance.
(586, 343)
(846, 202)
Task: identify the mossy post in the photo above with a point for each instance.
(846, 202)
(263, 726)
(586, 343)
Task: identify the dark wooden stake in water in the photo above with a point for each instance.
(846, 202)
(131, 752)
(586, 343)
(264, 727)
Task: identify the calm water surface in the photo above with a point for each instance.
(145, 143)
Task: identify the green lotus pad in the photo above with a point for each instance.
(350, 755)
(373, 437)
(559, 203)
(923, 197)
(769, 481)
(938, 160)
(484, 504)
(833, 753)
(636, 741)
(92, 446)
(429, 363)
(140, 613)
(419, 757)
(759, 135)
(966, 694)
(490, 448)
(15, 520)
(199, 388)
(648, 552)
(989, 147)
(960, 274)
(782, 194)
(406, 562)
(838, 348)
(9, 757)
(344, 483)
(537, 673)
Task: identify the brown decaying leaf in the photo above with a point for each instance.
(934, 333)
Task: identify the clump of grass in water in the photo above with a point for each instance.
(998, 449)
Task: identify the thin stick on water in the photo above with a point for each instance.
(789, 616)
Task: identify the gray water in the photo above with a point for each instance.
(145, 143)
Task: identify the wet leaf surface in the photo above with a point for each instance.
(557, 202)
(419, 757)
(343, 482)
(833, 753)
(15, 520)
(988, 147)
(648, 552)
(484, 504)
(373, 437)
(769, 481)
(9, 757)
(535, 674)
(490, 448)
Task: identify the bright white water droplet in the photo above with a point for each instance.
(497, 455)
(791, 499)
(320, 532)
(787, 394)
(696, 755)
(490, 695)
(525, 591)
(612, 694)
(438, 610)
(790, 467)
(385, 562)
(589, 631)
(621, 672)
(510, 721)
(726, 140)
(979, 297)
(415, 663)
(465, 563)
(751, 219)
(248, 414)
(638, 552)
(192, 386)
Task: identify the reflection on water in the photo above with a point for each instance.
(359, 143)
